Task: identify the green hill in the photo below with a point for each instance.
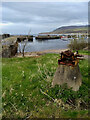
(69, 29)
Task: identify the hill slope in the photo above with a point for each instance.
(69, 29)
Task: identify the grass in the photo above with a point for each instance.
(23, 78)
(84, 52)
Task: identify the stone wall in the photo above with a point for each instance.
(9, 51)
(5, 36)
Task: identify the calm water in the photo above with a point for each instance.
(44, 45)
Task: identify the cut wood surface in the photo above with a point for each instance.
(68, 74)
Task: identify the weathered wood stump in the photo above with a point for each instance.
(68, 74)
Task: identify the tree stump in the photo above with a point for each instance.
(68, 74)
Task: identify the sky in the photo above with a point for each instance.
(37, 17)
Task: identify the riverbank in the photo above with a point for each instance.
(38, 53)
(86, 54)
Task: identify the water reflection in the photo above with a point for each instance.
(40, 45)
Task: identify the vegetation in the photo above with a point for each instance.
(69, 29)
(27, 91)
(84, 52)
(77, 44)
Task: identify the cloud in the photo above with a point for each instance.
(42, 17)
(45, 1)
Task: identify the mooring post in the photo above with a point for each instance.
(68, 71)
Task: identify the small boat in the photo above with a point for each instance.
(64, 38)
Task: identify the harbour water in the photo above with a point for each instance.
(38, 45)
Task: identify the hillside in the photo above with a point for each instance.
(69, 29)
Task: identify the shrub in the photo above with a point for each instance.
(77, 44)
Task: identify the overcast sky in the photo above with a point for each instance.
(20, 17)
